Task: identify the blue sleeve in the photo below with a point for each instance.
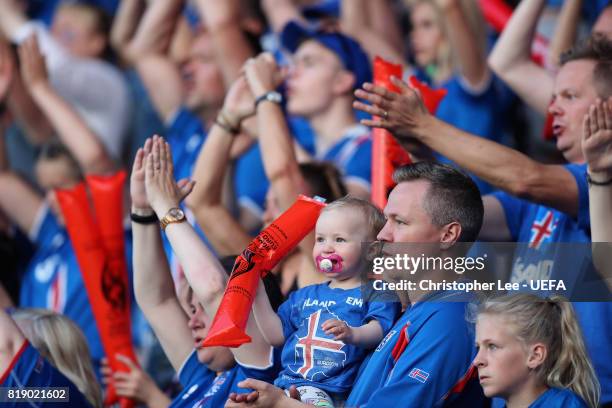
(579, 173)
(268, 374)
(384, 313)
(194, 372)
(514, 209)
(437, 356)
(286, 314)
(47, 229)
(359, 167)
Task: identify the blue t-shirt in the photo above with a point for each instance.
(536, 226)
(425, 364)
(53, 280)
(352, 155)
(558, 398)
(203, 388)
(479, 112)
(311, 357)
(30, 369)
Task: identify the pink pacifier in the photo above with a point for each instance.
(332, 263)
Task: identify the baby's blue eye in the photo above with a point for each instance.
(320, 239)
(340, 239)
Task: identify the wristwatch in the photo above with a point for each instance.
(271, 96)
(173, 216)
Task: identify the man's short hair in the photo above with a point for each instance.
(452, 196)
(597, 48)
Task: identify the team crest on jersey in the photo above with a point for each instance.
(419, 375)
(542, 230)
(316, 351)
(384, 341)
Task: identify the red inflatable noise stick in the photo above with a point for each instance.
(104, 274)
(262, 254)
(431, 97)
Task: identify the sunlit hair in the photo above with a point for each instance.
(551, 321)
(61, 342)
(372, 216)
(446, 60)
(596, 48)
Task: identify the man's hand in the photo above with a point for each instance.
(264, 395)
(262, 74)
(403, 114)
(163, 193)
(339, 329)
(33, 67)
(597, 140)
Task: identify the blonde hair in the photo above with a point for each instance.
(446, 59)
(551, 321)
(372, 215)
(61, 342)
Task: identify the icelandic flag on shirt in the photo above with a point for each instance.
(419, 375)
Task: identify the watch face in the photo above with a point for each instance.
(176, 213)
(275, 97)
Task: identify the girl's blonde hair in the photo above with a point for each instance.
(551, 321)
(371, 214)
(445, 58)
(61, 342)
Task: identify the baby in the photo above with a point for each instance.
(326, 329)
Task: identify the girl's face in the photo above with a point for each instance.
(426, 36)
(503, 360)
(338, 237)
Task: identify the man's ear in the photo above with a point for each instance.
(537, 355)
(450, 235)
(98, 44)
(344, 83)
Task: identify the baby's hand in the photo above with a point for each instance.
(339, 329)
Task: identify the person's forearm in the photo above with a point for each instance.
(267, 320)
(157, 399)
(125, 23)
(72, 130)
(383, 20)
(28, 115)
(280, 164)
(565, 31)
(503, 167)
(205, 201)
(514, 43)
(202, 270)
(510, 58)
(155, 30)
(468, 46)
(153, 283)
(600, 208)
(368, 335)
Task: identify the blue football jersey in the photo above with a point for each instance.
(536, 226)
(195, 378)
(311, 357)
(424, 361)
(30, 369)
(352, 155)
(558, 398)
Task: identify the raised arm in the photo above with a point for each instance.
(357, 19)
(222, 20)
(503, 167)
(155, 31)
(70, 127)
(125, 24)
(223, 231)
(153, 285)
(565, 31)
(467, 44)
(597, 148)
(202, 269)
(267, 320)
(511, 57)
(11, 18)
